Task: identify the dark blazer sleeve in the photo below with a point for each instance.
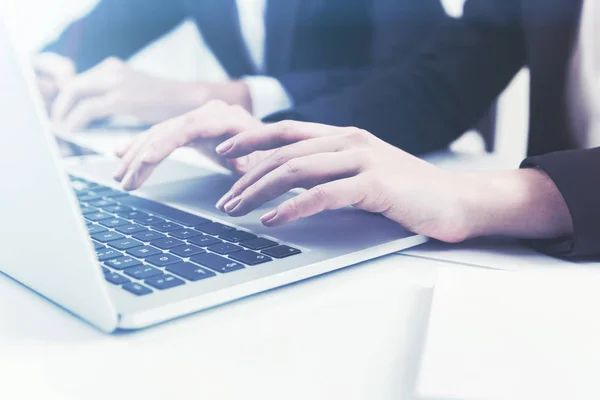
(575, 174)
(397, 27)
(424, 102)
(116, 28)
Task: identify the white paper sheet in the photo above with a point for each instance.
(507, 335)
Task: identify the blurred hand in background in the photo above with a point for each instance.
(113, 89)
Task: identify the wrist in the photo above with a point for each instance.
(520, 203)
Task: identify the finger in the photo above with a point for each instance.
(129, 156)
(277, 159)
(47, 86)
(273, 136)
(304, 172)
(89, 110)
(90, 83)
(57, 68)
(156, 145)
(204, 124)
(328, 196)
(122, 149)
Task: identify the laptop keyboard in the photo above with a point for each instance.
(144, 246)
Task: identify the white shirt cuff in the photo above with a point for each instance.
(268, 95)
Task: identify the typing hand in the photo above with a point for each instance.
(52, 72)
(343, 167)
(113, 88)
(201, 129)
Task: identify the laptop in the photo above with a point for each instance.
(125, 261)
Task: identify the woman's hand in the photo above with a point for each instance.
(344, 167)
(113, 88)
(201, 129)
(53, 72)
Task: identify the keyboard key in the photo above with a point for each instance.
(107, 236)
(190, 271)
(116, 279)
(166, 243)
(217, 263)
(114, 194)
(98, 246)
(187, 250)
(148, 220)
(204, 241)
(98, 188)
(93, 229)
(213, 228)
(250, 257)
(281, 251)
(258, 243)
(105, 270)
(185, 233)
(236, 236)
(90, 197)
(164, 282)
(88, 210)
(170, 213)
(117, 209)
(224, 248)
(124, 244)
(142, 272)
(132, 214)
(103, 203)
(131, 229)
(120, 263)
(137, 289)
(106, 253)
(166, 226)
(162, 260)
(148, 236)
(113, 223)
(97, 216)
(143, 251)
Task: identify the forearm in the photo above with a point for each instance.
(521, 203)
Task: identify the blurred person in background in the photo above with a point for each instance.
(424, 102)
(277, 54)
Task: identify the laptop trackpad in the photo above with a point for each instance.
(338, 227)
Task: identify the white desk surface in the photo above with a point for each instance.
(352, 334)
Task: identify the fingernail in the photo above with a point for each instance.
(223, 200)
(118, 176)
(129, 181)
(229, 207)
(224, 147)
(268, 217)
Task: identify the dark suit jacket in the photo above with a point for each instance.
(312, 46)
(424, 103)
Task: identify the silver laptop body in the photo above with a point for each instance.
(46, 245)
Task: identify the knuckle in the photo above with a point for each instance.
(286, 128)
(320, 194)
(187, 119)
(293, 207)
(280, 157)
(215, 105)
(243, 182)
(237, 109)
(357, 136)
(292, 166)
(365, 157)
(113, 63)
